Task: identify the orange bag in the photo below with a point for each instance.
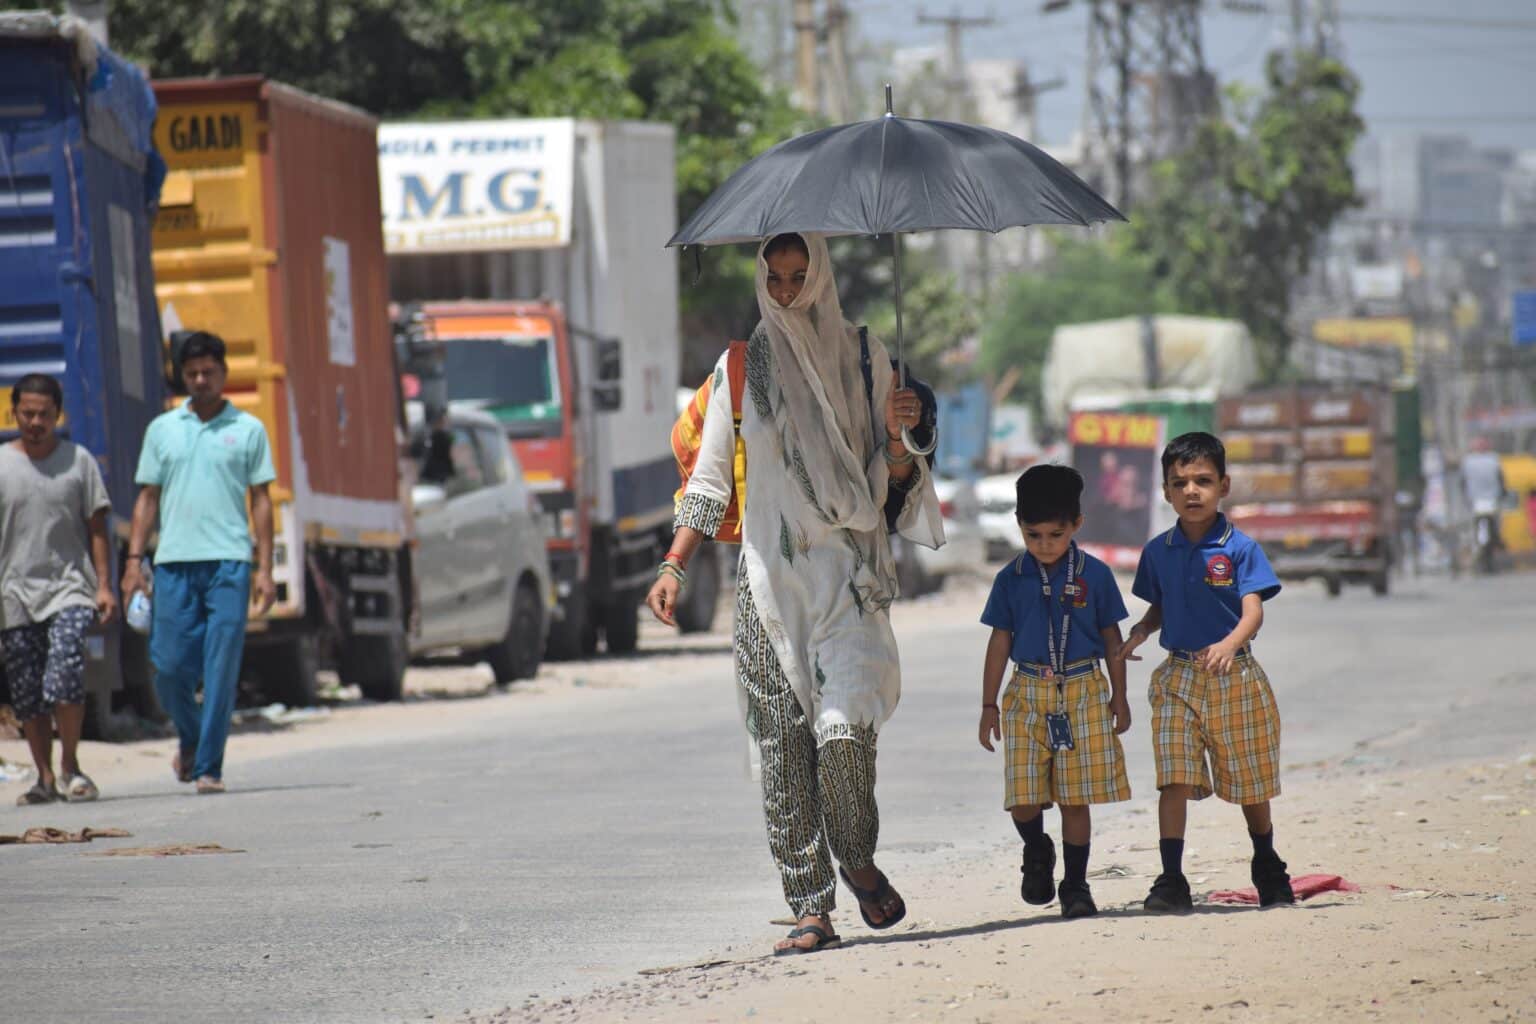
(688, 435)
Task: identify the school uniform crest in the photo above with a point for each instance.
(1077, 593)
(1218, 571)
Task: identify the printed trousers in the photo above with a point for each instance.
(818, 794)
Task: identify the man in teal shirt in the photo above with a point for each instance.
(197, 465)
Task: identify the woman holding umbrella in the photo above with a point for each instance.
(816, 658)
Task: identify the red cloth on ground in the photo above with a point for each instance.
(1303, 886)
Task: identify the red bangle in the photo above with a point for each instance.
(673, 557)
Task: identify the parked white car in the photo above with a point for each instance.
(998, 498)
(482, 573)
(924, 570)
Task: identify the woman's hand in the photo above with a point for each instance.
(902, 408)
(662, 600)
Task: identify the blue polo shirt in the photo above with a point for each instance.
(1201, 587)
(203, 471)
(1017, 604)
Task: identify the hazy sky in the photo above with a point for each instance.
(1416, 77)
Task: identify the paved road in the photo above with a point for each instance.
(550, 843)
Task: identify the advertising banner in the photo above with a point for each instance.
(1118, 455)
(476, 186)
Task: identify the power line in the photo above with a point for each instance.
(1382, 18)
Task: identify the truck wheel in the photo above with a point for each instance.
(1334, 584)
(376, 664)
(98, 716)
(621, 625)
(287, 670)
(517, 656)
(696, 608)
(139, 678)
(567, 635)
(1380, 583)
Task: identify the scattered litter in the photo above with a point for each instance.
(281, 714)
(1493, 797)
(44, 834)
(15, 771)
(1419, 894)
(1525, 759)
(1111, 871)
(173, 850)
(1304, 886)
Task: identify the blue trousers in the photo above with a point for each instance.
(198, 636)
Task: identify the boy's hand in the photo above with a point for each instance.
(1218, 657)
(1121, 709)
(990, 728)
(662, 600)
(1134, 639)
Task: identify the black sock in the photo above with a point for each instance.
(1263, 845)
(1076, 859)
(1172, 851)
(1031, 831)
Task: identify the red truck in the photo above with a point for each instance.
(1314, 479)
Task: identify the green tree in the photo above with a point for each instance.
(1085, 281)
(673, 61)
(1232, 223)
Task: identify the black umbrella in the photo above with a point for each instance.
(893, 175)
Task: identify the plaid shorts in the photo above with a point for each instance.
(1091, 773)
(1205, 726)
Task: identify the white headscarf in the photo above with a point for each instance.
(827, 417)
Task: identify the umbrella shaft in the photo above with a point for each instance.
(901, 363)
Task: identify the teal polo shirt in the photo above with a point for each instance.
(203, 471)
(1201, 587)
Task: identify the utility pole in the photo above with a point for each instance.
(955, 88)
(1147, 83)
(837, 61)
(955, 84)
(1026, 92)
(805, 56)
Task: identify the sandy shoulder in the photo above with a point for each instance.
(1443, 929)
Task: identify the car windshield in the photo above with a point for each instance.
(512, 377)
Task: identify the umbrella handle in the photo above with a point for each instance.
(915, 448)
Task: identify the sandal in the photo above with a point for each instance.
(879, 896)
(38, 794)
(824, 940)
(78, 789)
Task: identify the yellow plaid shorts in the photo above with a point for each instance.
(1091, 773)
(1229, 721)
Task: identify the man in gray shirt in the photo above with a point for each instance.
(54, 582)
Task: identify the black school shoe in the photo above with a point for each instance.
(1076, 900)
(1270, 879)
(1169, 895)
(1039, 885)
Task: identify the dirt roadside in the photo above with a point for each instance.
(1442, 929)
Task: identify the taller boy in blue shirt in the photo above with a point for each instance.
(1213, 714)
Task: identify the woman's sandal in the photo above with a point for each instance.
(879, 896)
(824, 940)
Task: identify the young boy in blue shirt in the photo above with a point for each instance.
(1213, 714)
(1055, 611)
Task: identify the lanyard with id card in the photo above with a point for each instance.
(1058, 725)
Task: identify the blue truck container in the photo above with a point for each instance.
(79, 179)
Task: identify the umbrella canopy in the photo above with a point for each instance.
(892, 175)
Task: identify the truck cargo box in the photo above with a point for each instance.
(77, 295)
(269, 236)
